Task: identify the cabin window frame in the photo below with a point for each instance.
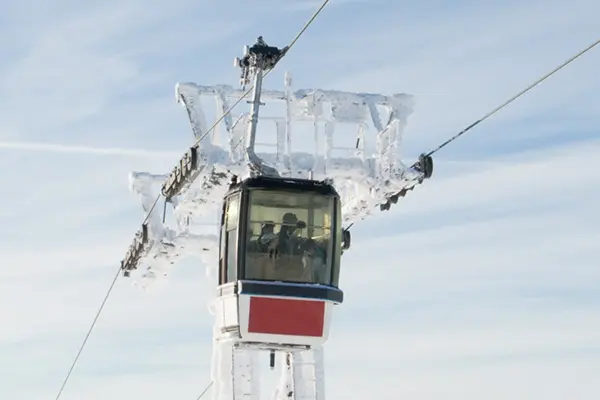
(336, 238)
(333, 247)
(229, 239)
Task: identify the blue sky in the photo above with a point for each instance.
(481, 283)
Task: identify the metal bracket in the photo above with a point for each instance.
(346, 239)
(258, 57)
(135, 251)
(423, 165)
(257, 60)
(182, 174)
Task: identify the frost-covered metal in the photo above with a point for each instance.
(354, 139)
(350, 139)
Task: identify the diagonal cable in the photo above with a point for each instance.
(89, 332)
(153, 206)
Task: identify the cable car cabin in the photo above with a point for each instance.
(280, 250)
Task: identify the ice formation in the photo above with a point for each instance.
(235, 373)
(352, 139)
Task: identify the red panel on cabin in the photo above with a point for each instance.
(286, 316)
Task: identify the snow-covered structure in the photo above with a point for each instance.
(365, 168)
(351, 140)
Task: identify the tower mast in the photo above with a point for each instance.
(256, 62)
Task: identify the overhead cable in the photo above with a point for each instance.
(153, 206)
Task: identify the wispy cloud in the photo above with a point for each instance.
(462, 62)
(480, 283)
(312, 5)
(63, 148)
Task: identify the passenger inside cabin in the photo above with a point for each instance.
(288, 248)
(267, 234)
(287, 242)
(261, 243)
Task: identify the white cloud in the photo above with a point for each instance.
(61, 148)
(480, 301)
(480, 283)
(462, 63)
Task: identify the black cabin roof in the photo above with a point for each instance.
(284, 183)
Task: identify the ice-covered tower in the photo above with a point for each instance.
(282, 213)
(281, 243)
